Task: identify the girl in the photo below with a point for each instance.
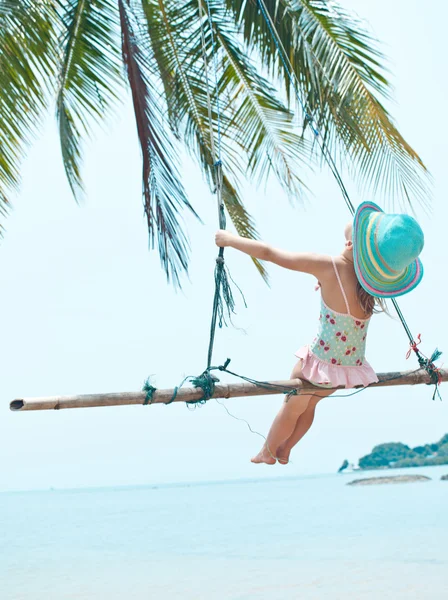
(379, 260)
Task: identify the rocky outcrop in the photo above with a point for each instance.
(391, 479)
(343, 466)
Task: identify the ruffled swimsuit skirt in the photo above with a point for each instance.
(337, 355)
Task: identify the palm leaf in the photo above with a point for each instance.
(163, 191)
(261, 124)
(89, 75)
(186, 96)
(254, 119)
(339, 74)
(27, 56)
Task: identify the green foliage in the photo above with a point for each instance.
(342, 77)
(397, 455)
(393, 450)
(27, 74)
(423, 450)
(443, 440)
(83, 52)
(420, 462)
(443, 450)
(89, 75)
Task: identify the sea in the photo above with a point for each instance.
(282, 538)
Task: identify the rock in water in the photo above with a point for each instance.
(343, 466)
(390, 479)
(444, 478)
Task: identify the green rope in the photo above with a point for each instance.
(207, 382)
(428, 365)
(223, 300)
(149, 389)
(176, 389)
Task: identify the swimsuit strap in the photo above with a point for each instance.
(341, 286)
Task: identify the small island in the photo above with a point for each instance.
(396, 455)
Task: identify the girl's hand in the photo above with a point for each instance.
(223, 238)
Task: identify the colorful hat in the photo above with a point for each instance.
(385, 251)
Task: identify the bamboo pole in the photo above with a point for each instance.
(190, 394)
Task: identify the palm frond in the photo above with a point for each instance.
(338, 67)
(186, 97)
(163, 191)
(159, 30)
(7, 7)
(387, 162)
(261, 124)
(254, 119)
(88, 78)
(27, 62)
(339, 74)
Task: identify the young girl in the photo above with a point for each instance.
(379, 260)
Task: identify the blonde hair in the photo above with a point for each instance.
(370, 304)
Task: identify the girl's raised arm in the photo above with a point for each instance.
(306, 262)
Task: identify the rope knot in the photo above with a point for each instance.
(225, 365)
(149, 389)
(414, 346)
(220, 260)
(427, 364)
(207, 383)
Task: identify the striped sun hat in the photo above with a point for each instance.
(385, 251)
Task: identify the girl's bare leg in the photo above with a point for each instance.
(303, 425)
(283, 427)
(291, 424)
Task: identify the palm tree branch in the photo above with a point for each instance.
(88, 76)
(266, 124)
(387, 151)
(27, 62)
(337, 65)
(163, 192)
(187, 106)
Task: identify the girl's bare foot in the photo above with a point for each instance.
(283, 455)
(264, 456)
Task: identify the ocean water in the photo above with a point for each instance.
(301, 538)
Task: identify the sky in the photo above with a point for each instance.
(85, 307)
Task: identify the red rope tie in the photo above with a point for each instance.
(438, 373)
(414, 346)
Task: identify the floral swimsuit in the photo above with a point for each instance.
(337, 355)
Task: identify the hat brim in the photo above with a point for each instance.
(366, 268)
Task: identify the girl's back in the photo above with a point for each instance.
(331, 291)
